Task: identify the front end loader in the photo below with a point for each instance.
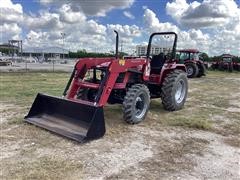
(95, 82)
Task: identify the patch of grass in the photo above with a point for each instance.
(113, 113)
(216, 73)
(193, 122)
(115, 124)
(113, 109)
(43, 168)
(21, 88)
(220, 102)
(197, 118)
(156, 106)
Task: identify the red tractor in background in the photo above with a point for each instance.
(226, 63)
(193, 62)
(236, 65)
(95, 82)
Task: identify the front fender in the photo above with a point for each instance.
(169, 68)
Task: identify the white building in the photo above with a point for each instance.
(142, 50)
(46, 54)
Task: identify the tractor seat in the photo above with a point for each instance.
(157, 63)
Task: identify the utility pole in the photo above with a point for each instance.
(63, 36)
(29, 38)
(121, 45)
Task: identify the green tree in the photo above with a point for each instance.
(83, 53)
(204, 56)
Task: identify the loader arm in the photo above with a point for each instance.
(113, 67)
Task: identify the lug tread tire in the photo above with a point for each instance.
(168, 99)
(202, 70)
(195, 70)
(129, 100)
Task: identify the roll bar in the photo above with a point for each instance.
(163, 33)
(117, 37)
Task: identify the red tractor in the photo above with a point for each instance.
(226, 63)
(97, 81)
(195, 66)
(236, 65)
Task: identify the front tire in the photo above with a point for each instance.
(136, 104)
(174, 90)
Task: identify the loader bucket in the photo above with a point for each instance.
(74, 120)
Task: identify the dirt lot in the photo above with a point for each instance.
(199, 142)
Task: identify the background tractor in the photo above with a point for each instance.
(236, 64)
(227, 62)
(94, 82)
(193, 62)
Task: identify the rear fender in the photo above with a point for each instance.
(200, 63)
(190, 61)
(169, 68)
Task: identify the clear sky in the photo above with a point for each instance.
(212, 26)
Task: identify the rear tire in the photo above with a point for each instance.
(192, 70)
(202, 70)
(230, 65)
(136, 104)
(174, 90)
(221, 67)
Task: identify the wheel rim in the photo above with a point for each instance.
(140, 106)
(180, 91)
(190, 70)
